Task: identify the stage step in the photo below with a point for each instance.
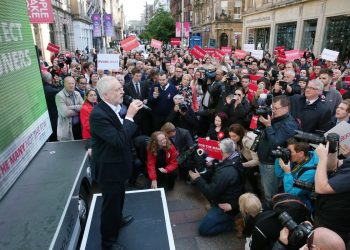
(151, 228)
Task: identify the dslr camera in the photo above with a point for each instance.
(298, 234)
(332, 138)
(183, 107)
(283, 153)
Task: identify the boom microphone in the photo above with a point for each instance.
(128, 99)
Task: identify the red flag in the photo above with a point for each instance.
(198, 52)
(129, 43)
(156, 44)
(281, 59)
(240, 54)
(53, 48)
(254, 122)
(40, 11)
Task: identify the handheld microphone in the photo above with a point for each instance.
(128, 99)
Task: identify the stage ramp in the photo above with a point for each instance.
(151, 228)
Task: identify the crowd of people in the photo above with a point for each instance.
(254, 108)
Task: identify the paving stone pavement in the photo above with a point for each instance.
(187, 206)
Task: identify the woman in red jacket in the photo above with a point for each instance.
(161, 161)
(90, 101)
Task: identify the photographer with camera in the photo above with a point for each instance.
(182, 115)
(297, 166)
(287, 86)
(320, 239)
(279, 126)
(218, 90)
(332, 208)
(222, 185)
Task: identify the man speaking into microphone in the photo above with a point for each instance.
(111, 155)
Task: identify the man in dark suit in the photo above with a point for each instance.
(138, 90)
(111, 155)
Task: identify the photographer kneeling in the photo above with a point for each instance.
(221, 185)
(332, 208)
(297, 166)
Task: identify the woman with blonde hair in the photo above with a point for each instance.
(161, 161)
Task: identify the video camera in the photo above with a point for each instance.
(194, 159)
(183, 107)
(298, 234)
(332, 138)
(208, 74)
(283, 84)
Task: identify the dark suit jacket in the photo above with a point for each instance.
(183, 140)
(129, 89)
(111, 145)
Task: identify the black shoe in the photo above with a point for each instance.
(117, 246)
(126, 220)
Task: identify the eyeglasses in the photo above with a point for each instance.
(313, 88)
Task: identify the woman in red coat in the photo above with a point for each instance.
(161, 161)
(90, 101)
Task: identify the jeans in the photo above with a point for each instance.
(269, 180)
(215, 221)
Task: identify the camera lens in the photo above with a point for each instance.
(287, 221)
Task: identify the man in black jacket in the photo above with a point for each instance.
(111, 155)
(311, 111)
(221, 185)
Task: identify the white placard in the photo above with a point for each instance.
(248, 47)
(329, 55)
(107, 61)
(343, 130)
(258, 54)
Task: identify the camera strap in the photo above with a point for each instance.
(303, 170)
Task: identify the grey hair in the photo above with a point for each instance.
(47, 78)
(291, 72)
(227, 146)
(104, 85)
(319, 84)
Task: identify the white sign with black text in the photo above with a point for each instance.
(107, 61)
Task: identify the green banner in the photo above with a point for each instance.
(22, 99)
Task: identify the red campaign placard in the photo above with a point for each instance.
(40, 11)
(198, 52)
(53, 48)
(252, 88)
(279, 50)
(281, 59)
(294, 54)
(254, 122)
(211, 147)
(346, 79)
(129, 43)
(218, 54)
(156, 44)
(210, 51)
(254, 78)
(175, 41)
(227, 50)
(240, 54)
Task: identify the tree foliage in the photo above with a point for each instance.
(160, 27)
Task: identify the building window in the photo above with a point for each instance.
(224, 6)
(286, 35)
(337, 35)
(309, 34)
(224, 40)
(262, 38)
(65, 35)
(52, 33)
